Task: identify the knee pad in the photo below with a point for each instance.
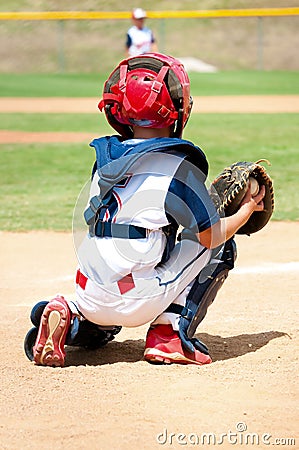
(37, 311)
(29, 342)
(207, 285)
(202, 294)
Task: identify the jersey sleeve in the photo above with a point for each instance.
(128, 41)
(188, 201)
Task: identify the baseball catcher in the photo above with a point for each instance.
(158, 244)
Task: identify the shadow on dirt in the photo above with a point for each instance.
(114, 352)
(231, 347)
(132, 350)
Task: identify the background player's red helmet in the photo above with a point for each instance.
(150, 90)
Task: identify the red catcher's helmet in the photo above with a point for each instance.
(151, 90)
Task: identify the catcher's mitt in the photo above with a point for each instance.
(229, 188)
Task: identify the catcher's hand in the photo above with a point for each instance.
(229, 188)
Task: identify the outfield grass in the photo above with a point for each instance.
(250, 137)
(91, 85)
(40, 183)
(55, 122)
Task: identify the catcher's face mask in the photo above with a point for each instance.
(151, 90)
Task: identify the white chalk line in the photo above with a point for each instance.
(291, 266)
(267, 268)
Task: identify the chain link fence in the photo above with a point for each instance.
(263, 43)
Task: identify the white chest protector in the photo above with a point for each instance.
(140, 201)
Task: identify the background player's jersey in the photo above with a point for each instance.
(139, 41)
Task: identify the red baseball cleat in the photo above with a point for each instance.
(54, 325)
(163, 345)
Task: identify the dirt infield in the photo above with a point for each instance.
(113, 399)
(221, 104)
(205, 104)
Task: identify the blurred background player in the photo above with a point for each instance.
(140, 39)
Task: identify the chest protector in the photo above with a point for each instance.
(113, 161)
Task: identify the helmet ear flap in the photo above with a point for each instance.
(178, 128)
(124, 130)
(183, 119)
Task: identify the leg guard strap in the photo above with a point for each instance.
(89, 335)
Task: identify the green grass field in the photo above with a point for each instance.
(40, 183)
(91, 85)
